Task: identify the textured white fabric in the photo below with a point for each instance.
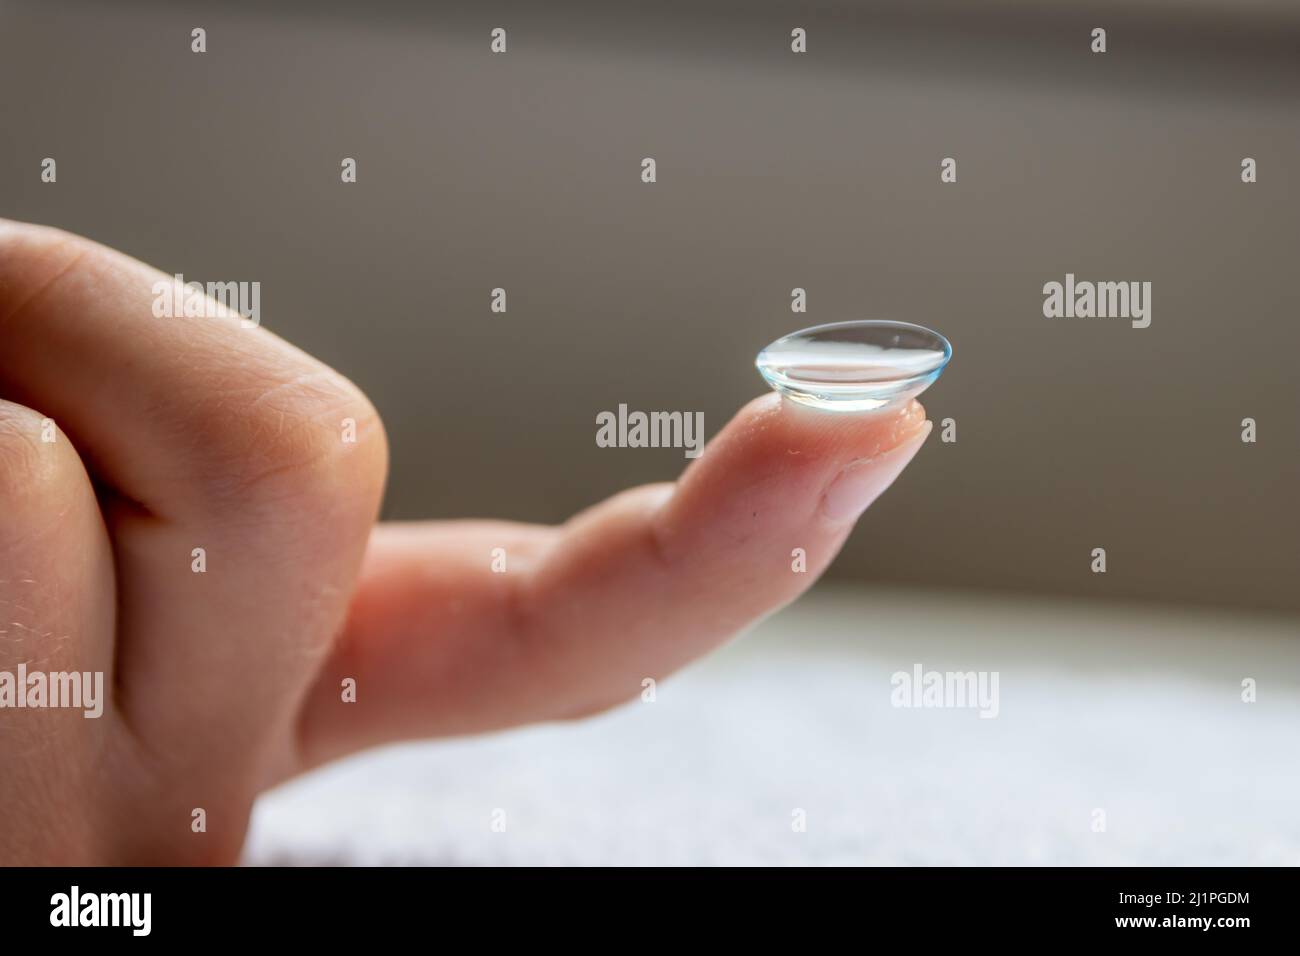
(1132, 711)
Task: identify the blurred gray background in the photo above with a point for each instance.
(775, 170)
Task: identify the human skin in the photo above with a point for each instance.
(183, 433)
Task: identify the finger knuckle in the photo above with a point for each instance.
(312, 439)
(29, 466)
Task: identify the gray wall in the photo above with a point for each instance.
(775, 171)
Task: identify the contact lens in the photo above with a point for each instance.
(855, 366)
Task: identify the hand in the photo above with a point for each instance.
(176, 434)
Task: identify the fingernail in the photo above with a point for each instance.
(863, 481)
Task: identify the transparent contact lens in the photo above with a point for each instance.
(855, 366)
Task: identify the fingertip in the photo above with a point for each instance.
(858, 433)
(863, 480)
(775, 429)
(767, 474)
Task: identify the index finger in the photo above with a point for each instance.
(631, 589)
